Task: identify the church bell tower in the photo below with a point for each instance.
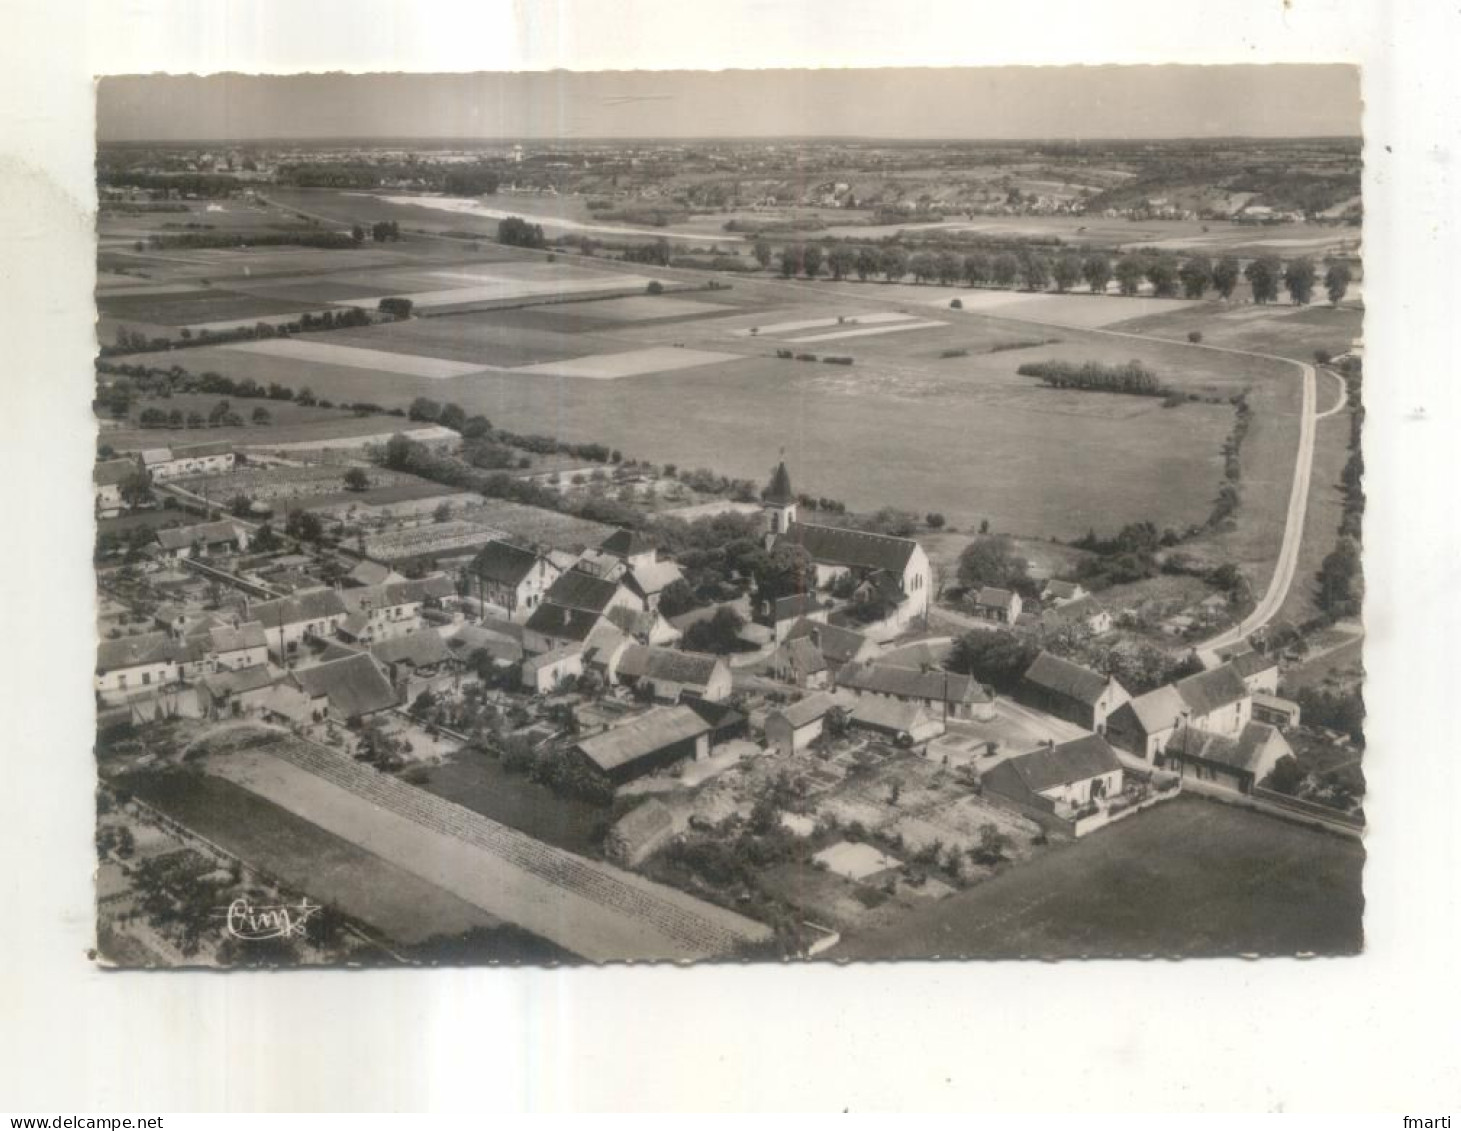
(778, 504)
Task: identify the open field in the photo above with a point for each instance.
(1187, 878)
(292, 424)
(332, 871)
(1286, 331)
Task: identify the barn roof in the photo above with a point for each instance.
(1157, 710)
(798, 605)
(355, 685)
(220, 685)
(134, 651)
(578, 589)
(838, 644)
(1241, 753)
(803, 655)
(419, 649)
(226, 638)
(625, 543)
(911, 683)
(834, 545)
(896, 715)
(209, 533)
(1064, 678)
(1052, 766)
(504, 563)
(807, 710)
(1206, 692)
(315, 604)
(669, 664)
(992, 598)
(641, 737)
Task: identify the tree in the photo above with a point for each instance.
(1130, 271)
(783, 571)
(1336, 282)
(476, 427)
(1225, 276)
(924, 265)
(893, 263)
(950, 267)
(812, 260)
(935, 520)
(677, 598)
(1097, 272)
(241, 506)
(993, 844)
(869, 262)
(1066, 271)
(1286, 777)
(396, 306)
(304, 526)
(842, 261)
(1299, 278)
(1035, 271)
(1005, 270)
(357, 233)
(136, 489)
(977, 269)
(1263, 276)
(423, 408)
(1163, 272)
(761, 251)
(1341, 580)
(261, 415)
(452, 416)
(790, 260)
(719, 635)
(654, 287)
(357, 480)
(1196, 274)
(992, 560)
(442, 513)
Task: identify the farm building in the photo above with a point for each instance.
(1070, 692)
(512, 578)
(557, 626)
(346, 689)
(1060, 779)
(603, 650)
(1057, 592)
(947, 695)
(1217, 701)
(134, 665)
(653, 741)
(1276, 711)
(839, 646)
(107, 478)
(792, 729)
(1142, 726)
(241, 647)
(545, 673)
(416, 662)
(905, 722)
(1234, 763)
(671, 675)
(1083, 612)
(496, 638)
(781, 614)
(1002, 606)
(289, 620)
(195, 459)
(381, 612)
(1257, 671)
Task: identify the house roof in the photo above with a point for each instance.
(1241, 753)
(548, 659)
(1052, 766)
(695, 669)
(655, 577)
(1059, 590)
(1157, 710)
(1250, 663)
(1065, 678)
(112, 471)
(1080, 609)
(222, 684)
(563, 623)
(419, 649)
(226, 638)
(1206, 692)
(578, 589)
(393, 594)
(603, 641)
(625, 543)
(807, 710)
(354, 685)
(311, 605)
(504, 563)
(209, 533)
(643, 736)
(471, 638)
(804, 656)
(837, 644)
(151, 456)
(135, 651)
(367, 572)
(198, 451)
(779, 489)
(991, 598)
(894, 715)
(910, 683)
(834, 545)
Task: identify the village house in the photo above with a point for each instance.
(1258, 672)
(555, 626)
(238, 647)
(1062, 779)
(546, 673)
(603, 650)
(654, 741)
(211, 458)
(381, 612)
(290, 620)
(1057, 592)
(107, 478)
(1237, 763)
(671, 675)
(839, 646)
(1083, 612)
(223, 537)
(801, 662)
(1002, 606)
(791, 729)
(230, 694)
(947, 695)
(511, 578)
(1275, 710)
(783, 613)
(840, 553)
(574, 605)
(346, 689)
(1143, 725)
(136, 665)
(500, 640)
(417, 662)
(1070, 692)
(1217, 701)
(642, 571)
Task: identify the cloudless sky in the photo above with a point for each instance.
(1281, 100)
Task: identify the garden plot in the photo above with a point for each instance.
(612, 366)
(431, 538)
(856, 861)
(354, 357)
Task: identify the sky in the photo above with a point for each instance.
(988, 103)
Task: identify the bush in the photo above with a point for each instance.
(955, 352)
(956, 304)
(654, 287)
(1194, 336)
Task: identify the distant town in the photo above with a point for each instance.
(725, 550)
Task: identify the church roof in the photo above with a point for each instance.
(779, 489)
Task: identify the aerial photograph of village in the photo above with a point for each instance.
(602, 520)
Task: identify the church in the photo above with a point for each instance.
(895, 570)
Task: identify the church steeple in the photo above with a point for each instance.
(778, 503)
